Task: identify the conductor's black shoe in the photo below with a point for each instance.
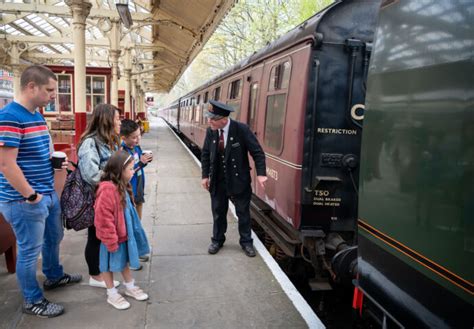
(214, 248)
(249, 250)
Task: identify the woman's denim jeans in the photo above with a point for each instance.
(37, 228)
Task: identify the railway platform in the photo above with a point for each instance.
(188, 288)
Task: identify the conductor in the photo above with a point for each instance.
(226, 173)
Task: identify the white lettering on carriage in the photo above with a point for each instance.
(337, 131)
(272, 173)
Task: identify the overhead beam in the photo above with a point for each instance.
(157, 12)
(141, 31)
(7, 19)
(104, 43)
(53, 24)
(172, 50)
(19, 28)
(53, 40)
(158, 68)
(145, 4)
(62, 11)
(61, 57)
(39, 28)
(70, 57)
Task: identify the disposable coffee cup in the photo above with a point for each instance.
(147, 152)
(57, 159)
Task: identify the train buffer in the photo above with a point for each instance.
(188, 288)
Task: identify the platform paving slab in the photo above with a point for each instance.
(184, 208)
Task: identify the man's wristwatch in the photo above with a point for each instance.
(33, 197)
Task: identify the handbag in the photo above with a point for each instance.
(77, 200)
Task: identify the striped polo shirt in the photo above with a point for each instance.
(29, 133)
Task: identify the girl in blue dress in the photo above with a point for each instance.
(119, 229)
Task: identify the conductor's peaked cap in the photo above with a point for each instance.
(218, 109)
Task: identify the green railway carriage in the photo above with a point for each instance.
(416, 206)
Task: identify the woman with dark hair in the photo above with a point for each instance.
(97, 144)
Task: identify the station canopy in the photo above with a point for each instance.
(166, 35)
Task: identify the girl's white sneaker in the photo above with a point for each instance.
(136, 293)
(117, 301)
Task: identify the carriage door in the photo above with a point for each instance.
(192, 119)
(252, 117)
(249, 108)
(252, 122)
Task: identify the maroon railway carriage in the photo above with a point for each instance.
(303, 97)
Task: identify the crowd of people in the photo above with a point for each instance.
(111, 162)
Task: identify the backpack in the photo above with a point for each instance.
(77, 200)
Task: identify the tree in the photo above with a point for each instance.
(249, 26)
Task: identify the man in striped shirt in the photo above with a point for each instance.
(28, 200)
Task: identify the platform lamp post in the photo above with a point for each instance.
(124, 13)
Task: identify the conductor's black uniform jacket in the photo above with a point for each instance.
(240, 142)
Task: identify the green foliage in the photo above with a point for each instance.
(248, 27)
(308, 8)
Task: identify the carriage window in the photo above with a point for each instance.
(236, 106)
(197, 117)
(235, 89)
(285, 75)
(203, 116)
(274, 121)
(197, 110)
(217, 93)
(206, 97)
(253, 105)
(279, 76)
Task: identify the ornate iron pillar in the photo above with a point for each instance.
(80, 10)
(15, 49)
(114, 54)
(128, 83)
(134, 96)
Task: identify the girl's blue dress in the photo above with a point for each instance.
(130, 250)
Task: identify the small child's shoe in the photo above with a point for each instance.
(139, 268)
(117, 301)
(144, 258)
(136, 293)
